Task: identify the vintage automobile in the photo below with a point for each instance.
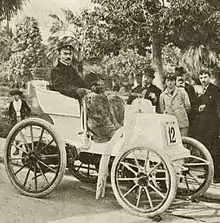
(147, 160)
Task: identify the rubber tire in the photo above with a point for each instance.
(202, 149)
(58, 141)
(171, 196)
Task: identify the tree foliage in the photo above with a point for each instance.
(191, 26)
(5, 43)
(27, 50)
(126, 66)
(9, 7)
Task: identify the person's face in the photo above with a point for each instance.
(139, 79)
(204, 79)
(66, 55)
(146, 80)
(180, 81)
(170, 83)
(16, 97)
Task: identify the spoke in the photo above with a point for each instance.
(128, 192)
(79, 167)
(139, 196)
(129, 168)
(159, 178)
(187, 184)
(44, 164)
(46, 146)
(49, 156)
(25, 141)
(195, 164)
(195, 179)
(126, 179)
(136, 161)
(156, 190)
(21, 168)
(84, 167)
(146, 164)
(43, 174)
(32, 138)
(35, 177)
(26, 178)
(154, 168)
(88, 170)
(16, 158)
(148, 196)
(19, 148)
(40, 138)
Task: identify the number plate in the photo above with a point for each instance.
(171, 134)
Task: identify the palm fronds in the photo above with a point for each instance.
(200, 57)
(9, 7)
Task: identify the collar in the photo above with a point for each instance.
(146, 86)
(18, 101)
(174, 92)
(63, 63)
(205, 87)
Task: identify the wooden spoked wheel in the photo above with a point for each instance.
(143, 181)
(198, 169)
(35, 157)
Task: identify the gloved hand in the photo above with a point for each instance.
(82, 92)
(98, 89)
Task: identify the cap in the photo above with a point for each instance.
(65, 46)
(179, 70)
(170, 76)
(15, 92)
(149, 72)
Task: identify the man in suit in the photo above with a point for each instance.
(147, 89)
(207, 120)
(181, 82)
(64, 77)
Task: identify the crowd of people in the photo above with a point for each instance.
(197, 113)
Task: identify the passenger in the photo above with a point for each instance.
(147, 89)
(207, 121)
(101, 113)
(175, 101)
(181, 82)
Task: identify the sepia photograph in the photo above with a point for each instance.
(109, 111)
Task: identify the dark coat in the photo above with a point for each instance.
(151, 89)
(66, 80)
(207, 121)
(192, 114)
(25, 112)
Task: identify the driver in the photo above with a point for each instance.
(64, 77)
(102, 111)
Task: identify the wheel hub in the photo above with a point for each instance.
(143, 179)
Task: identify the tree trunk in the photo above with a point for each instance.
(157, 62)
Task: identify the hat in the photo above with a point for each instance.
(15, 92)
(179, 70)
(149, 72)
(170, 76)
(65, 46)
